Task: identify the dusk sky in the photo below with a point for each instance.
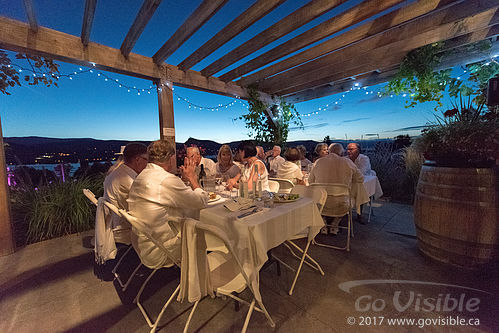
(89, 106)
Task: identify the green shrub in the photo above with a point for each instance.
(55, 209)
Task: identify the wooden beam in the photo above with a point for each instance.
(337, 23)
(15, 36)
(258, 10)
(459, 57)
(435, 27)
(200, 16)
(293, 21)
(144, 15)
(377, 26)
(30, 13)
(382, 57)
(7, 245)
(166, 112)
(88, 19)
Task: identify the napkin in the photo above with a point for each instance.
(239, 204)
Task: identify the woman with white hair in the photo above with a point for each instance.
(320, 150)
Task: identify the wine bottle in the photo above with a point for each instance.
(202, 176)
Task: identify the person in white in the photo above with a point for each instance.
(157, 194)
(247, 152)
(117, 186)
(290, 169)
(361, 161)
(275, 159)
(209, 166)
(306, 165)
(338, 170)
(225, 166)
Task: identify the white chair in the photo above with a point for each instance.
(91, 196)
(170, 261)
(285, 185)
(225, 271)
(338, 204)
(319, 196)
(274, 186)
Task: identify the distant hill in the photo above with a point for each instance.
(42, 150)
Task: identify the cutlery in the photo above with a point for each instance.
(254, 210)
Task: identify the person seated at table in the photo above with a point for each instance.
(361, 161)
(237, 160)
(320, 150)
(247, 152)
(304, 161)
(336, 148)
(260, 153)
(290, 169)
(117, 186)
(157, 194)
(208, 165)
(338, 170)
(275, 159)
(225, 167)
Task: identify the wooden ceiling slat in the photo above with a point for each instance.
(393, 53)
(293, 21)
(372, 28)
(144, 15)
(15, 36)
(369, 79)
(88, 19)
(200, 16)
(344, 20)
(407, 32)
(30, 13)
(258, 10)
(451, 60)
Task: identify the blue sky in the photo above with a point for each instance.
(88, 106)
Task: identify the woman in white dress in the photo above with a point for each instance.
(225, 167)
(247, 152)
(290, 169)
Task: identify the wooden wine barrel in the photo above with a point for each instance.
(455, 212)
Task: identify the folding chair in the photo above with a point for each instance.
(338, 204)
(170, 261)
(274, 186)
(91, 196)
(285, 185)
(225, 271)
(318, 195)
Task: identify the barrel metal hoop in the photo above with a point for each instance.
(471, 203)
(457, 187)
(474, 245)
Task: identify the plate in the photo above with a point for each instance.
(218, 197)
(282, 198)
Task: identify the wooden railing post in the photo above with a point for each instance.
(166, 114)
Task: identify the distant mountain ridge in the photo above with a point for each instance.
(34, 149)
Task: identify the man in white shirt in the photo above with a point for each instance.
(335, 169)
(275, 159)
(290, 169)
(361, 161)
(157, 194)
(210, 167)
(117, 186)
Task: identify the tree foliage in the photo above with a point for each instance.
(45, 71)
(271, 126)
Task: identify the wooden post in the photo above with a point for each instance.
(7, 245)
(166, 115)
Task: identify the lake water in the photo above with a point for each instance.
(50, 167)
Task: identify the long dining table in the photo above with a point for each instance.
(254, 235)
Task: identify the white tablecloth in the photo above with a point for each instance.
(254, 235)
(361, 192)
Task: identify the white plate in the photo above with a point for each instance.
(218, 197)
(278, 200)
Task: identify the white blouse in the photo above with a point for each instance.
(289, 170)
(248, 173)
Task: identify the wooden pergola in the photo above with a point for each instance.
(369, 53)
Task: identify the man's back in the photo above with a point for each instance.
(335, 169)
(116, 189)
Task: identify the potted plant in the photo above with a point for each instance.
(455, 208)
